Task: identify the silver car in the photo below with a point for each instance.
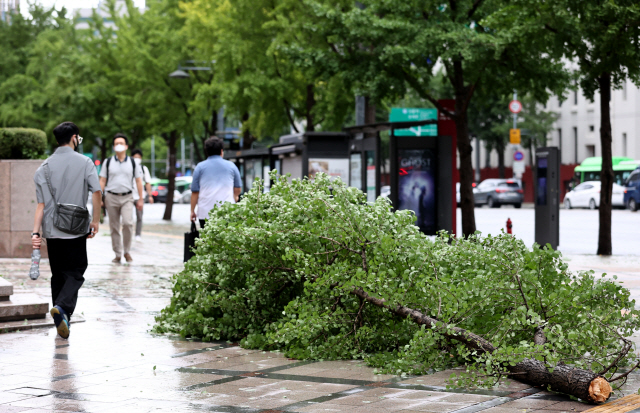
(497, 192)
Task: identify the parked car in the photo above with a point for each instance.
(587, 195)
(184, 197)
(497, 192)
(160, 189)
(631, 197)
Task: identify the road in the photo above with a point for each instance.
(578, 228)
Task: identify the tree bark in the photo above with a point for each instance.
(501, 172)
(171, 140)
(310, 103)
(247, 138)
(467, 202)
(606, 175)
(584, 384)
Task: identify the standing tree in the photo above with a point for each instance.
(603, 38)
(385, 46)
(149, 46)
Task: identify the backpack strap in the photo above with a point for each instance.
(107, 166)
(47, 176)
(133, 170)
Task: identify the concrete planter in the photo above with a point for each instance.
(17, 207)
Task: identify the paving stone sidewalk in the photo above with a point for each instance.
(112, 363)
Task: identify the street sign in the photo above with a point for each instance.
(518, 156)
(515, 106)
(413, 114)
(514, 136)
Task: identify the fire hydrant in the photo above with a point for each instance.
(509, 226)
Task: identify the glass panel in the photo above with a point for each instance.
(355, 169)
(417, 186)
(371, 175)
(541, 197)
(335, 168)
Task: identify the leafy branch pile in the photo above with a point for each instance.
(314, 270)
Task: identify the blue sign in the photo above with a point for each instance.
(413, 114)
(518, 156)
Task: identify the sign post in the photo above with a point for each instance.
(514, 137)
(413, 114)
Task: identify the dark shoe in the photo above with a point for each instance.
(116, 260)
(127, 257)
(61, 320)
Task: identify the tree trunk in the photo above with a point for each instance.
(501, 172)
(467, 203)
(311, 102)
(584, 384)
(247, 138)
(171, 140)
(606, 176)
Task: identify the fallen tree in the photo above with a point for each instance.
(314, 270)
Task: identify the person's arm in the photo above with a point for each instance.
(140, 202)
(237, 183)
(36, 241)
(96, 199)
(194, 202)
(148, 186)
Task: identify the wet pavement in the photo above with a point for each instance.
(112, 363)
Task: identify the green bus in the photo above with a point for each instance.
(589, 169)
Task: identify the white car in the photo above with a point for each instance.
(587, 195)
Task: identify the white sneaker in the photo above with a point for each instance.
(138, 238)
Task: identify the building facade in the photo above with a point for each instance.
(577, 129)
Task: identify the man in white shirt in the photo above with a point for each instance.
(117, 178)
(215, 181)
(136, 154)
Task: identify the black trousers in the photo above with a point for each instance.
(68, 260)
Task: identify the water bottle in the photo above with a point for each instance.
(34, 272)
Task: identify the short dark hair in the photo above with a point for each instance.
(64, 131)
(120, 135)
(136, 152)
(213, 146)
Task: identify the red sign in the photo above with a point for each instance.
(515, 106)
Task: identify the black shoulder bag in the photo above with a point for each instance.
(72, 219)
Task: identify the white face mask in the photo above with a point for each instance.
(120, 148)
(137, 161)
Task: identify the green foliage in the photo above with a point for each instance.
(278, 270)
(22, 143)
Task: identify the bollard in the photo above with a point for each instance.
(509, 226)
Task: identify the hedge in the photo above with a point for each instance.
(22, 143)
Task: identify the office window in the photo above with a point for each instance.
(575, 144)
(575, 97)
(591, 151)
(624, 92)
(560, 139)
(624, 144)
(591, 128)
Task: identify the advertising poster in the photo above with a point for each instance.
(356, 171)
(335, 168)
(417, 186)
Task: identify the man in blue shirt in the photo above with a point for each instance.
(215, 181)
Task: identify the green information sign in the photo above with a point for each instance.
(413, 114)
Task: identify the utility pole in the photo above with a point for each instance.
(182, 155)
